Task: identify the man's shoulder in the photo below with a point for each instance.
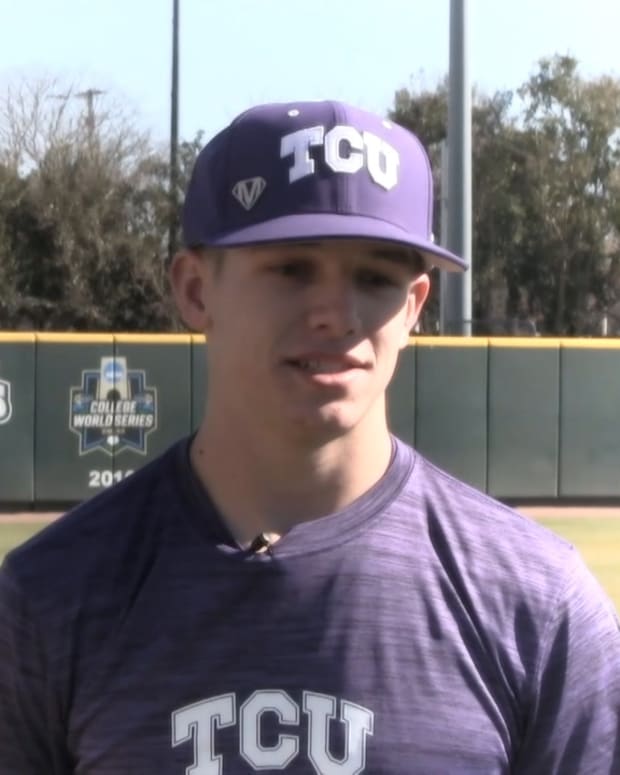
(502, 567)
(465, 525)
(99, 527)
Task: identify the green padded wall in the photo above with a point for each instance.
(401, 397)
(158, 368)
(105, 405)
(524, 418)
(590, 418)
(451, 405)
(519, 418)
(70, 448)
(17, 364)
(199, 378)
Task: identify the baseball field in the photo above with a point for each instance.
(595, 533)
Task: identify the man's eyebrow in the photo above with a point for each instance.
(403, 257)
(284, 245)
(410, 259)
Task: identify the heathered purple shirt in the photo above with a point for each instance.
(424, 630)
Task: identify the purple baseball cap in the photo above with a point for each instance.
(313, 170)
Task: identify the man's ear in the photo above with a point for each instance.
(418, 293)
(190, 280)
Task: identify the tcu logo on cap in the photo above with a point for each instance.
(345, 150)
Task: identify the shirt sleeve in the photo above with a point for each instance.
(573, 720)
(29, 740)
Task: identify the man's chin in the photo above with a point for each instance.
(323, 425)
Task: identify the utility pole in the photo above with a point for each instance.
(89, 95)
(457, 286)
(174, 136)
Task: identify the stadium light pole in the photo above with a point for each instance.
(174, 136)
(456, 290)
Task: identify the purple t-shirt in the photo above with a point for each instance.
(424, 630)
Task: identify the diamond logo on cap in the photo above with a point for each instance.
(247, 192)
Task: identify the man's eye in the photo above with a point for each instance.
(293, 269)
(374, 279)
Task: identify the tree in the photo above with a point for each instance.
(496, 212)
(426, 114)
(85, 206)
(83, 236)
(571, 254)
(545, 196)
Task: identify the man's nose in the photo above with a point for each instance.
(335, 310)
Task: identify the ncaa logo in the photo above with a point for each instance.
(113, 409)
(114, 371)
(6, 408)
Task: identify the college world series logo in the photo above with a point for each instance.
(113, 409)
(6, 408)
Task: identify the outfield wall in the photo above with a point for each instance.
(522, 419)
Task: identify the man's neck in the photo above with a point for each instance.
(261, 484)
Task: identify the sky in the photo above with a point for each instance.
(235, 53)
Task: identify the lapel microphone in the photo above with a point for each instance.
(260, 544)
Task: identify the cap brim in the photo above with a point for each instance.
(290, 228)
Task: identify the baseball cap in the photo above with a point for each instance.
(295, 171)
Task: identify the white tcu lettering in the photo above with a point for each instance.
(278, 756)
(198, 723)
(346, 150)
(337, 157)
(383, 161)
(360, 722)
(298, 143)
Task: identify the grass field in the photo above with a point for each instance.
(598, 540)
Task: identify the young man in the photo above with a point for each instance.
(293, 589)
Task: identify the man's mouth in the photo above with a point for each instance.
(322, 367)
(325, 365)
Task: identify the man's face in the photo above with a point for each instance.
(304, 337)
